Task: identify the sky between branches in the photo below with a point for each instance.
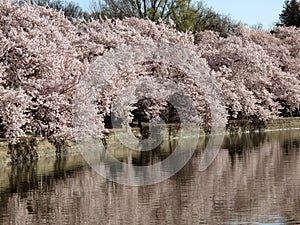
(249, 12)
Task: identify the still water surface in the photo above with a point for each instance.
(255, 179)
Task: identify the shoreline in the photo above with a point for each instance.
(235, 127)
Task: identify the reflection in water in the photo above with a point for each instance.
(255, 179)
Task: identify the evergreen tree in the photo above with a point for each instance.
(290, 15)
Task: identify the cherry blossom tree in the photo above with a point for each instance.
(39, 69)
(97, 38)
(282, 45)
(43, 56)
(250, 72)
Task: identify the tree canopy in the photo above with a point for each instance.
(185, 15)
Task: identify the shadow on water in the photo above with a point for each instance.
(23, 179)
(26, 177)
(255, 179)
(238, 144)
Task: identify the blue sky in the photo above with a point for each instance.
(250, 12)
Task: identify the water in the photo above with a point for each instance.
(255, 179)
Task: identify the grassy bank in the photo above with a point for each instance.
(239, 126)
(45, 149)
